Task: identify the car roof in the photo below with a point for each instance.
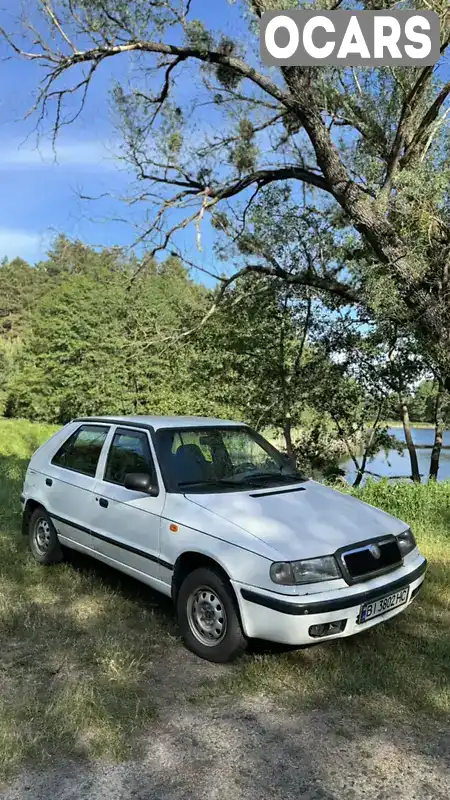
(161, 422)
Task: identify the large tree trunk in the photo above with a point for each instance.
(368, 215)
(287, 431)
(360, 474)
(415, 474)
(362, 469)
(438, 435)
(284, 383)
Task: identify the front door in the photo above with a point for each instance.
(126, 523)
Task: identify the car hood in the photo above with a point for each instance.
(313, 521)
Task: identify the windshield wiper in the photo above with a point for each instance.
(294, 476)
(276, 476)
(218, 482)
(257, 477)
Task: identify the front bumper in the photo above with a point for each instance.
(269, 616)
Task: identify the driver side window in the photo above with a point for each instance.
(244, 451)
(129, 452)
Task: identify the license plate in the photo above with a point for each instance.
(383, 605)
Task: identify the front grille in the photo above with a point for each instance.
(361, 563)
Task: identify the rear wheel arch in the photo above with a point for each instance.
(30, 507)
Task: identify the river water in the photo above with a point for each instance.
(398, 464)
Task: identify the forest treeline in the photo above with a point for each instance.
(100, 332)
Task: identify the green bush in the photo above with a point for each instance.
(420, 503)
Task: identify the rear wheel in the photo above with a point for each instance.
(43, 538)
(208, 616)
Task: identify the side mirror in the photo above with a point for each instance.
(141, 482)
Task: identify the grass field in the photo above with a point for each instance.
(71, 644)
(80, 646)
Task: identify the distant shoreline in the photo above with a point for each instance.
(389, 423)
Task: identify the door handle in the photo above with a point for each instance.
(103, 502)
(49, 482)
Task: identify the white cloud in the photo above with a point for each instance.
(23, 244)
(66, 154)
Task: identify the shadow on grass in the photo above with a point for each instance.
(87, 654)
(78, 648)
(398, 672)
(121, 584)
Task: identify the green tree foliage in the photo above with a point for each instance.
(105, 335)
(242, 359)
(268, 331)
(161, 311)
(19, 287)
(95, 332)
(422, 404)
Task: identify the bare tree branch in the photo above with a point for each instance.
(425, 124)
(54, 19)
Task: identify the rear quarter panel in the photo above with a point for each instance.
(40, 467)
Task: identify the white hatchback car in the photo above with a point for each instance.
(208, 512)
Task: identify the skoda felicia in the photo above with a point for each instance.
(208, 512)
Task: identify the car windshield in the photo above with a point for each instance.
(224, 459)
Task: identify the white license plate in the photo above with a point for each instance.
(383, 605)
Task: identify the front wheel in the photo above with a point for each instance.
(43, 539)
(208, 616)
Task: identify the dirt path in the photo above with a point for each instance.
(253, 750)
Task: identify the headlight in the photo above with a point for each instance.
(406, 542)
(312, 570)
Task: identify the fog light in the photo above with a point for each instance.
(327, 628)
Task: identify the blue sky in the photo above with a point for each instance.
(40, 198)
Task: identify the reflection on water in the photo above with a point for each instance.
(398, 464)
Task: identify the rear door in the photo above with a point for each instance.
(126, 523)
(70, 483)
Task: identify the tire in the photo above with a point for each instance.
(208, 616)
(43, 539)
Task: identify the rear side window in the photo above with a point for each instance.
(129, 452)
(81, 451)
